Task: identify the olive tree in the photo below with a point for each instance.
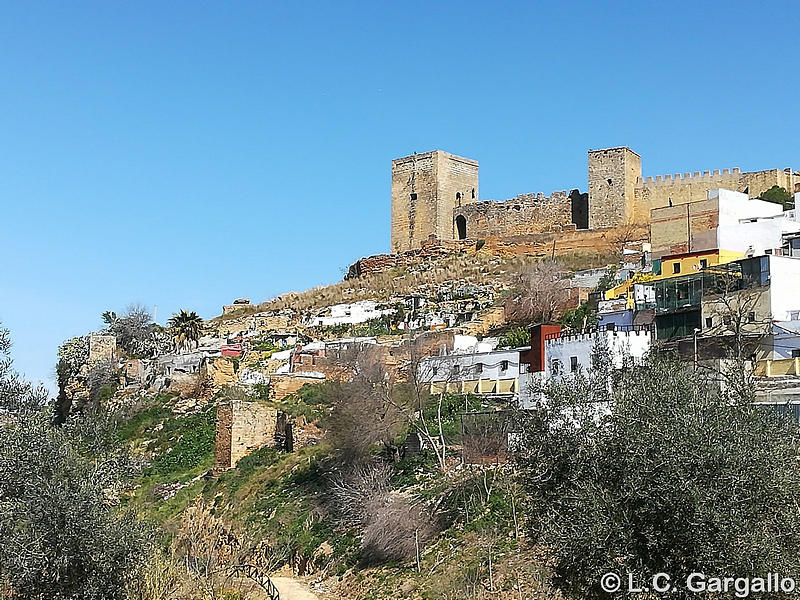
(62, 533)
(658, 473)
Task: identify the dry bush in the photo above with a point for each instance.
(159, 578)
(542, 289)
(207, 547)
(351, 491)
(394, 527)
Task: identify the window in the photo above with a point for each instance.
(479, 368)
(573, 363)
(794, 315)
(611, 327)
(709, 322)
(703, 263)
(504, 365)
(413, 196)
(458, 195)
(473, 192)
(456, 370)
(676, 268)
(726, 320)
(555, 366)
(751, 317)
(795, 353)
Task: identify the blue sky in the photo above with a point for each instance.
(182, 154)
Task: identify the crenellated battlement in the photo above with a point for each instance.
(680, 178)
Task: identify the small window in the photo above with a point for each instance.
(794, 315)
(504, 365)
(676, 268)
(573, 363)
(611, 327)
(726, 320)
(435, 371)
(413, 196)
(473, 192)
(703, 263)
(458, 195)
(456, 370)
(709, 322)
(751, 317)
(555, 366)
(479, 367)
(796, 353)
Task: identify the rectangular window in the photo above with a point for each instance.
(676, 268)
(751, 317)
(413, 196)
(703, 263)
(795, 353)
(555, 366)
(504, 365)
(726, 320)
(479, 367)
(573, 363)
(435, 371)
(709, 322)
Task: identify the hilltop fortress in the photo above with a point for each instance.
(435, 198)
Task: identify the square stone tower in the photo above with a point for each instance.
(613, 175)
(425, 190)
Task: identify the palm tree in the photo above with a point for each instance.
(185, 327)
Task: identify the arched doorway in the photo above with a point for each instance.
(461, 227)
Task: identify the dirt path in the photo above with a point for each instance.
(291, 589)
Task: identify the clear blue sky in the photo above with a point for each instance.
(186, 153)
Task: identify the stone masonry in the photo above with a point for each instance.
(241, 428)
(618, 193)
(425, 190)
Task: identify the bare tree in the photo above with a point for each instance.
(541, 290)
(739, 322)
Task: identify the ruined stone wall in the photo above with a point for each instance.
(378, 263)
(523, 214)
(102, 348)
(425, 189)
(241, 428)
(281, 386)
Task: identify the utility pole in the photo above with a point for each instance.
(696, 331)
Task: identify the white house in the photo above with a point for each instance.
(350, 314)
(495, 372)
(554, 353)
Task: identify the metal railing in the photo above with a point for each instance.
(255, 574)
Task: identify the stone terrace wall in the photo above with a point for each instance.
(521, 215)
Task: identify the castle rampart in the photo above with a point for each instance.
(522, 215)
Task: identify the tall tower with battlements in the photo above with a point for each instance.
(613, 175)
(426, 188)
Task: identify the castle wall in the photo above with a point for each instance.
(524, 214)
(682, 188)
(425, 190)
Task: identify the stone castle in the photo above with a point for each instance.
(435, 196)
